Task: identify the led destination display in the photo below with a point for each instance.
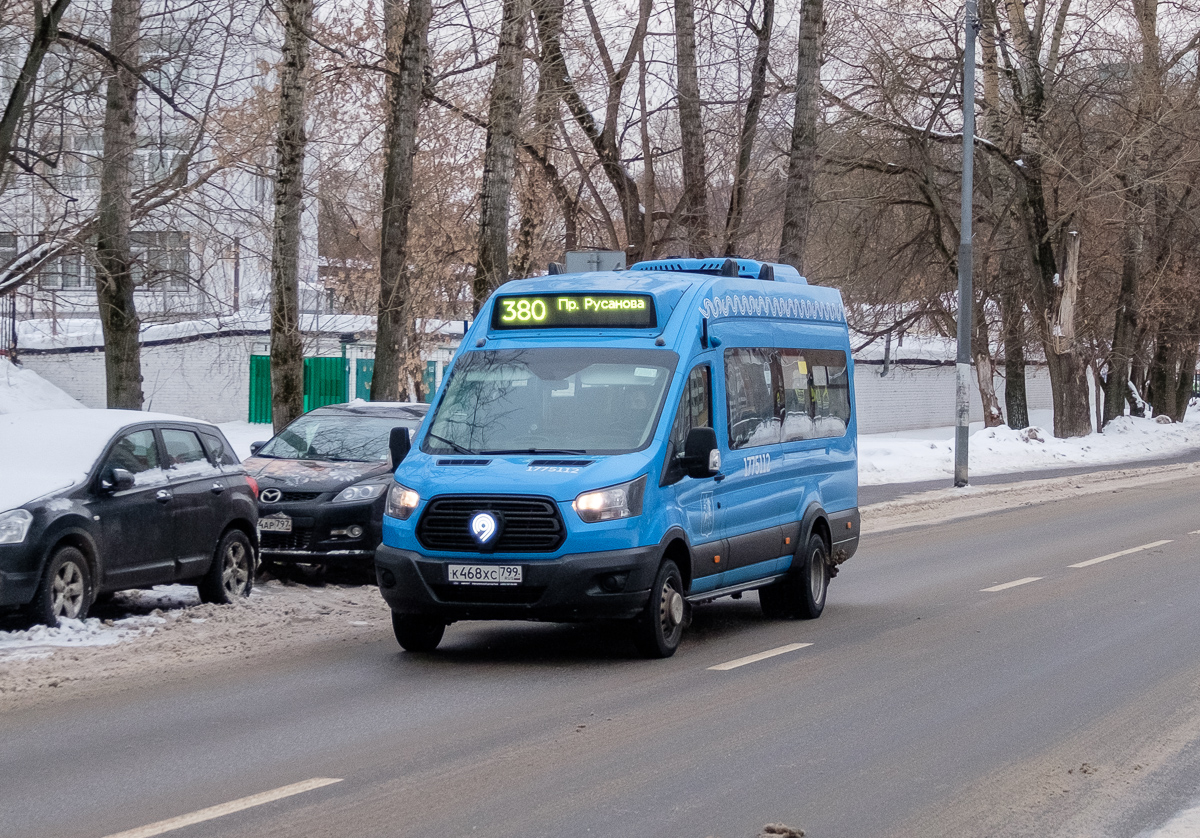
(575, 311)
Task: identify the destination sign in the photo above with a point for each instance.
(575, 311)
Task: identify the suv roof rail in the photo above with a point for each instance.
(718, 266)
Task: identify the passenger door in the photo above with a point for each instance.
(757, 501)
(198, 487)
(697, 497)
(132, 522)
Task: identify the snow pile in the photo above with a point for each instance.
(36, 642)
(886, 458)
(147, 610)
(242, 434)
(23, 390)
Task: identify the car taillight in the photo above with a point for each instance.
(253, 485)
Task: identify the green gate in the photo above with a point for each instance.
(364, 369)
(325, 382)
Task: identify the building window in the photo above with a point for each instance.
(161, 259)
(8, 248)
(68, 272)
(155, 162)
(81, 163)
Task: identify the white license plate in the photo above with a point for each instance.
(276, 523)
(483, 574)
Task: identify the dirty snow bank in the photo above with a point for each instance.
(165, 633)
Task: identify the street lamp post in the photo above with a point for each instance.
(965, 295)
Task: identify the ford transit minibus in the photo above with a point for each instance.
(624, 445)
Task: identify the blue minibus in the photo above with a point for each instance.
(625, 445)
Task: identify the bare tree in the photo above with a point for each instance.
(499, 156)
(758, 85)
(803, 155)
(693, 209)
(407, 47)
(287, 347)
(114, 259)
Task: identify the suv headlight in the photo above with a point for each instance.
(401, 502)
(14, 526)
(623, 501)
(360, 492)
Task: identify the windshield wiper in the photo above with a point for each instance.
(534, 451)
(452, 444)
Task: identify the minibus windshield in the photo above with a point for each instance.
(551, 401)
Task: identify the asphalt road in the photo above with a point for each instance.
(925, 705)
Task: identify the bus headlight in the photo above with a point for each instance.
(611, 503)
(401, 502)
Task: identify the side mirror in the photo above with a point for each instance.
(398, 445)
(255, 447)
(701, 456)
(116, 480)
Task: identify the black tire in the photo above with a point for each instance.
(802, 593)
(66, 589)
(416, 632)
(659, 629)
(231, 574)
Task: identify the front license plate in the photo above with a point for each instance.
(483, 574)
(276, 523)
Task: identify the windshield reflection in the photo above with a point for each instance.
(568, 401)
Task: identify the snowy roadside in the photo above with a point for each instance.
(165, 634)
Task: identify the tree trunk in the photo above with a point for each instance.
(985, 371)
(407, 45)
(693, 214)
(114, 260)
(287, 345)
(504, 114)
(1015, 399)
(802, 159)
(758, 88)
(45, 32)
(1066, 365)
(1147, 79)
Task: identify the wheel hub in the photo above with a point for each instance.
(674, 607)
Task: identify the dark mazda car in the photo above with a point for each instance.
(323, 482)
(93, 501)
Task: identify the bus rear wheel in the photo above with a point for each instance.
(802, 593)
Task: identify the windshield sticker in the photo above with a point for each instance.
(646, 372)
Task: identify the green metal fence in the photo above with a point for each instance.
(326, 381)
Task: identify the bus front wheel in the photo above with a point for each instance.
(658, 630)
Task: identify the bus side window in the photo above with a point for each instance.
(695, 411)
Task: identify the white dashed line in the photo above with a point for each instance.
(224, 808)
(770, 653)
(1149, 546)
(1007, 585)
(1194, 532)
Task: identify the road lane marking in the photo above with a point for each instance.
(222, 809)
(1149, 546)
(770, 653)
(1007, 585)
(1194, 532)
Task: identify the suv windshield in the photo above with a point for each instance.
(551, 401)
(334, 437)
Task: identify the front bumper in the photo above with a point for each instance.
(566, 589)
(312, 539)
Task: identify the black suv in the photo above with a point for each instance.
(105, 500)
(323, 482)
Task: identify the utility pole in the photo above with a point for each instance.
(962, 405)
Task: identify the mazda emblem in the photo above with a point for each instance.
(270, 496)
